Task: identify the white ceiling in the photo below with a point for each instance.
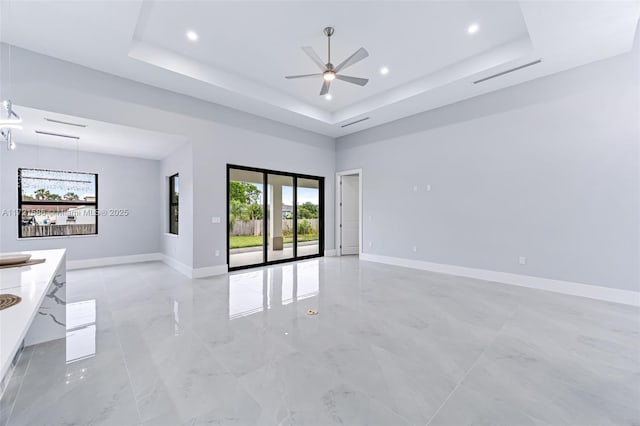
(97, 136)
(271, 49)
(246, 48)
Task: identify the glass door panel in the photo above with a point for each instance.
(308, 221)
(246, 218)
(279, 217)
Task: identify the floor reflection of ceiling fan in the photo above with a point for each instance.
(329, 72)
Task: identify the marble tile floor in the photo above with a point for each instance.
(390, 346)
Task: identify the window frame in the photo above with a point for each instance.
(94, 204)
(265, 223)
(172, 204)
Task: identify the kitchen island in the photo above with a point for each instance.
(41, 315)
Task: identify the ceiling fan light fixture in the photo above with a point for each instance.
(329, 75)
(192, 35)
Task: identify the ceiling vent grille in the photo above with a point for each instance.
(507, 71)
(355, 122)
(53, 120)
(58, 135)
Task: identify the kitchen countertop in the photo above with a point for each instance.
(31, 284)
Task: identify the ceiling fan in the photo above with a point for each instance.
(329, 72)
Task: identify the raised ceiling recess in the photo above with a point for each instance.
(435, 50)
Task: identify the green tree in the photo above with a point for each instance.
(71, 196)
(255, 211)
(236, 212)
(245, 201)
(305, 227)
(308, 210)
(245, 193)
(42, 194)
(237, 192)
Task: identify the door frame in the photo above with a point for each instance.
(338, 236)
(296, 176)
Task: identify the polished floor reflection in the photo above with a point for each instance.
(390, 346)
(253, 256)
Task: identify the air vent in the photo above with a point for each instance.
(508, 71)
(355, 122)
(52, 120)
(59, 135)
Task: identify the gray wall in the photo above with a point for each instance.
(548, 170)
(122, 183)
(215, 136)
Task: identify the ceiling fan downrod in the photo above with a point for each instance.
(328, 31)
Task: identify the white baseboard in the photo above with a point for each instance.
(190, 272)
(177, 265)
(110, 261)
(625, 297)
(330, 253)
(186, 270)
(209, 271)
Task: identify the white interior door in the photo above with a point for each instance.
(349, 214)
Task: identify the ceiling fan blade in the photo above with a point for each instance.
(314, 57)
(354, 80)
(303, 76)
(355, 58)
(325, 88)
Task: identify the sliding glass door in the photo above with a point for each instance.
(246, 217)
(308, 221)
(280, 217)
(273, 216)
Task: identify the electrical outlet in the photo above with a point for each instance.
(415, 188)
(415, 249)
(428, 188)
(370, 244)
(215, 220)
(523, 260)
(217, 252)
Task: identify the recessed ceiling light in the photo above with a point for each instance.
(192, 35)
(473, 28)
(384, 70)
(328, 96)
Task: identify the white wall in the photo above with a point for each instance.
(548, 170)
(178, 247)
(242, 147)
(123, 183)
(216, 135)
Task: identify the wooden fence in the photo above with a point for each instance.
(57, 230)
(254, 227)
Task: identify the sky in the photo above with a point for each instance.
(69, 183)
(82, 184)
(304, 195)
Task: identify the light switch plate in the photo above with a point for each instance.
(215, 219)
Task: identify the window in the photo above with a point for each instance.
(55, 203)
(273, 216)
(174, 192)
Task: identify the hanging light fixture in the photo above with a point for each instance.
(8, 124)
